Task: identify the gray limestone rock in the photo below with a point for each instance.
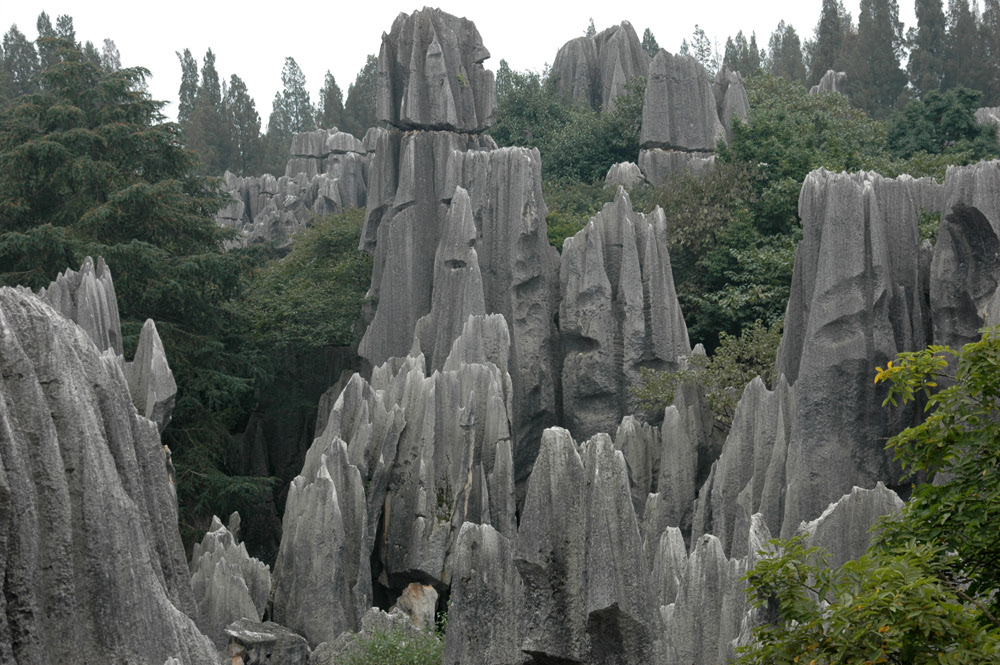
(520, 281)
(617, 577)
(964, 275)
(976, 186)
(624, 174)
(228, 583)
(458, 285)
(843, 528)
(695, 633)
(730, 99)
(347, 644)
(640, 444)
(855, 303)
(657, 164)
(679, 111)
(619, 313)
(431, 74)
(831, 82)
(150, 379)
(593, 71)
(84, 495)
(486, 600)
(550, 552)
(669, 567)
(267, 643)
(88, 298)
(989, 116)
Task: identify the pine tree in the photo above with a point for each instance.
(700, 48)
(990, 34)
(831, 31)
(876, 78)
(207, 132)
(743, 57)
(189, 88)
(20, 63)
(591, 30)
(277, 139)
(649, 43)
(65, 29)
(359, 109)
(244, 122)
(295, 98)
(785, 54)
(331, 103)
(963, 65)
(927, 48)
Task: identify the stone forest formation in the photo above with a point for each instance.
(490, 457)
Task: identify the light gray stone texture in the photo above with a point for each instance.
(619, 313)
(593, 71)
(831, 82)
(337, 651)
(731, 99)
(486, 600)
(84, 496)
(624, 174)
(679, 111)
(431, 74)
(265, 643)
(150, 379)
(419, 603)
(658, 164)
(88, 298)
(228, 583)
(843, 528)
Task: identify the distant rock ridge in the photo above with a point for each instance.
(593, 71)
(831, 82)
(326, 174)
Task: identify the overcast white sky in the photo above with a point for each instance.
(252, 39)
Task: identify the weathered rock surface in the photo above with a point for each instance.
(856, 302)
(326, 174)
(486, 600)
(831, 82)
(619, 313)
(989, 115)
(679, 111)
(431, 74)
(267, 643)
(965, 272)
(730, 98)
(593, 71)
(88, 298)
(347, 644)
(84, 496)
(623, 174)
(228, 583)
(656, 163)
(150, 379)
(843, 528)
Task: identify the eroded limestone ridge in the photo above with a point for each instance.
(89, 510)
(593, 71)
(431, 74)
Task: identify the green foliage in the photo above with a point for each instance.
(529, 110)
(649, 44)
(330, 109)
(724, 375)
(571, 204)
(927, 42)
(784, 57)
(876, 78)
(397, 647)
(359, 109)
(591, 142)
(700, 48)
(244, 129)
(312, 297)
(88, 167)
(832, 31)
(943, 123)
(930, 222)
(742, 56)
(926, 591)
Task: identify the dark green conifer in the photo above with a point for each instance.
(331, 104)
(927, 48)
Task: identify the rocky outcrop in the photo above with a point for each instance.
(325, 175)
(264, 643)
(486, 600)
(419, 603)
(831, 82)
(88, 298)
(150, 379)
(844, 528)
(593, 71)
(856, 302)
(623, 174)
(431, 75)
(730, 99)
(84, 496)
(619, 313)
(393, 623)
(656, 163)
(989, 115)
(228, 583)
(680, 111)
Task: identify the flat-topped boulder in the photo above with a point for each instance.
(679, 111)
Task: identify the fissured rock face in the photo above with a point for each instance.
(89, 514)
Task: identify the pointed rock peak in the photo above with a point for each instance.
(484, 339)
(458, 241)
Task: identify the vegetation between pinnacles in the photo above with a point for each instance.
(926, 591)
